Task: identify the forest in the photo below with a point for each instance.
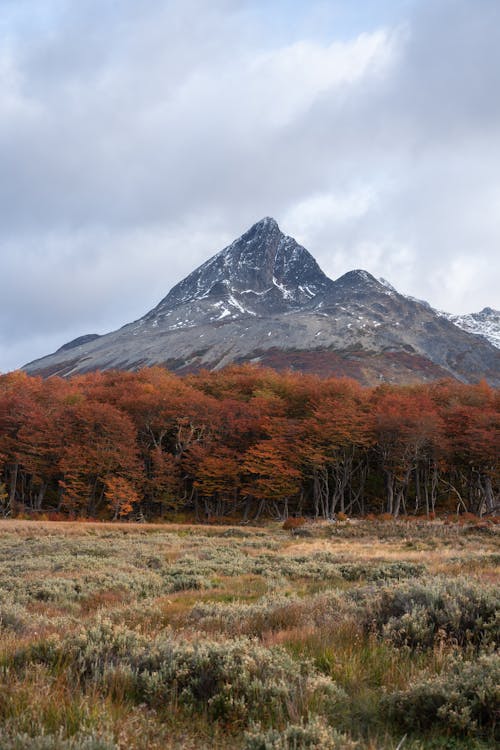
(244, 443)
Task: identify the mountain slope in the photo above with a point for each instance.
(484, 323)
(265, 299)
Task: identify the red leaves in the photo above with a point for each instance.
(121, 496)
(105, 443)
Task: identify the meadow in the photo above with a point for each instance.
(373, 635)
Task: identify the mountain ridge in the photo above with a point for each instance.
(264, 298)
(485, 323)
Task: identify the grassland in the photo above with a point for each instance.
(367, 635)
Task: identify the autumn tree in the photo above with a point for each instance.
(407, 432)
(99, 444)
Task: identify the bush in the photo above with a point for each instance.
(16, 741)
(271, 613)
(418, 615)
(235, 681)
(294, 523)
(386, 517)
(465, 700)
(315, 735)
(381, 571)
(255, 619)
(14, 617)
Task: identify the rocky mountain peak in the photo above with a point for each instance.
(263, 270)
(489, 311)
(357, 278)
(356, 286)
(265, 299)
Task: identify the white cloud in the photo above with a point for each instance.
(287, 81)
(136, 141)
(312, 214)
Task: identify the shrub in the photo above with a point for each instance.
(271, 613)
(385, 517)
(465, 700)
(311, 736)
(16, 741)
(14, 617)
(235, 681)
(418, 615)
(381, 571)
(294, 523)
(253, 619)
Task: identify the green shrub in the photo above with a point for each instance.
(14, 617)
(271, 613)
(381, 571)
(315, 735)
(185, 582)
(464, 700)
(233, 681)
(417, 615)
(15, 741)
(236, 680)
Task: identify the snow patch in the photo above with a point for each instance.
(252, 291)
(307, 290)
(284, 291)
(485, 323)
(234, 302)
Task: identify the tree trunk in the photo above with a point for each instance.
(12, 506)
(40, 496)
(390, 492)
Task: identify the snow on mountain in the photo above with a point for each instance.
(484, 323)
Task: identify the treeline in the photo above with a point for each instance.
(244, 442)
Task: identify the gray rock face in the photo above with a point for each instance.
(264, 272)
(265, 299)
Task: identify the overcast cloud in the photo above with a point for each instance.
(136, 139)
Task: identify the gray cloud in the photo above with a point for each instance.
(135, 140)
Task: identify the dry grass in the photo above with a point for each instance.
(300, 597)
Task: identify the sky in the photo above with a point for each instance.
(139, 138)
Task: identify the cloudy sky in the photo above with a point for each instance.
(138, 138)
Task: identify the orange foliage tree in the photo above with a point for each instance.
(245, 440)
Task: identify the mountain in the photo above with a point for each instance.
(262, 273)
(484, 323)
(265, 299)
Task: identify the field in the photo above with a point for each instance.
(358, 634)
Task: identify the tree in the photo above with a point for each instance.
(99, 443)
(408, 431)
(120, 495)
